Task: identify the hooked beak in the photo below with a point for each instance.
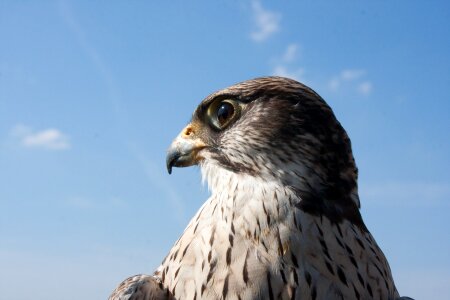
(183, 152)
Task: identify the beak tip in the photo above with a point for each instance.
(169, 165)
(171, 160)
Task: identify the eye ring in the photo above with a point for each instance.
(221, 113)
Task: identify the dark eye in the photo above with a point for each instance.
(221, 113)
(224, 112)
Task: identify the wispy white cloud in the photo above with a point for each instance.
(282, 70)
(349, 75)
(69, 17)
(334, 83)
(285, 64)
(365, 87)
(291, 53)
(351, 78)
(266, 22)
(51, 138)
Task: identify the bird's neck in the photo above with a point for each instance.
(255, 203)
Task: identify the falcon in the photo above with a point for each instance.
(283, 219)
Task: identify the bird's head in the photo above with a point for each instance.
(276, 129)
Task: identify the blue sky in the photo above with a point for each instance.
(92, 93)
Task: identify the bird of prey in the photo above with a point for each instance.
(283, 219)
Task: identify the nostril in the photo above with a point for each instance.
(188, 131)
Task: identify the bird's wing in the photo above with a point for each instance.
(141, 287)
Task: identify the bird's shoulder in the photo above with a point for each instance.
(141, 287)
